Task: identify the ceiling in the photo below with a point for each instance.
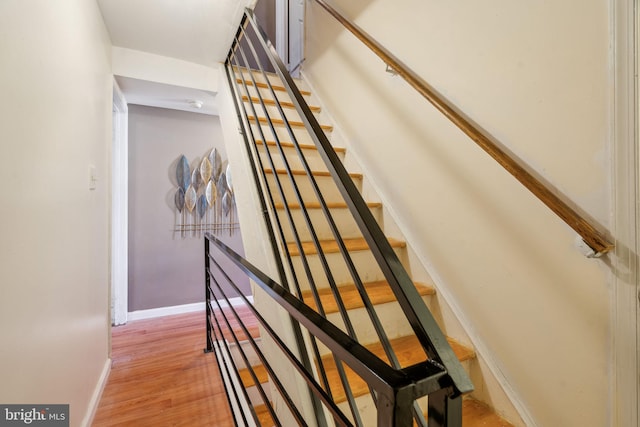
(198, 31)
(153, 94)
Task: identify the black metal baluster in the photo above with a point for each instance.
(236, 371)
(284, 246)
(431, 337)
(209, 348)
(304, 371)
(328, 273)
(221, 360)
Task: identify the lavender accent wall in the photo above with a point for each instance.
(164, 268)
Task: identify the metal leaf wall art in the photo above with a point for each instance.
(204, 200)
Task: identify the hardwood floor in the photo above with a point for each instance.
(161, 377)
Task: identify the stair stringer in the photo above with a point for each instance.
(491, 385)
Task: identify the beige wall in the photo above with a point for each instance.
(536, 77)
(56, 117)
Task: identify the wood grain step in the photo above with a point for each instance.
(478, 414)
(474, 414)
(379, 293)
(264, 417)
(277, 87)
(331, 246)
(246, 378)
(280, 122)
(303, 146)
(298, 172)
(330, 205)
(408, 351)
(285, 104)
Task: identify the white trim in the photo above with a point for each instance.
(181, 309)
(97, 394)
(625, 180)
(295, 36)
(119, 209)
(282, 36)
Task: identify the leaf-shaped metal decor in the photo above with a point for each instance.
(190, 198)
(205, 170)
(216, 163)
(229, 181)
(209, 193)
(179, 199)
(202, 205)
(221, 186)
(226, 203)
(196, 179)
(183, 173)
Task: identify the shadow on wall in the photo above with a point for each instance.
(333, 29)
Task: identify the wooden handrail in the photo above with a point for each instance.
(591, 236)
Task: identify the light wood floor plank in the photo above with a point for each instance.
(161, 377)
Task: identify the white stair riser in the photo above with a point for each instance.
(389, 314)
(249, 353)
(282, 133)
(327, 187)
(274, 112)
(341, 216)
(363, 260)
(302, 137)
(312, 157)
(273, 78)
(266, 93)
(254, 394)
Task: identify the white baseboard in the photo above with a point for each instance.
(97, 394)
(180, 309)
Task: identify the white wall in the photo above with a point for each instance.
(536, 77)
(161, 69)
(55, 114)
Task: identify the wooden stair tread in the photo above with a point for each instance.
(264, 417)
(274, 86)
(478, 414)
(285, 104)
(300, 172)
(303, 146)
(474, 414)
(292, 123)
(408, 351)
(330, 205)
(331, 246)
(260, 372)
(379, 293)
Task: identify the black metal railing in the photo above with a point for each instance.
(315, 260)
(396, 389)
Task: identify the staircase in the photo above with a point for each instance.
(308, 266)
